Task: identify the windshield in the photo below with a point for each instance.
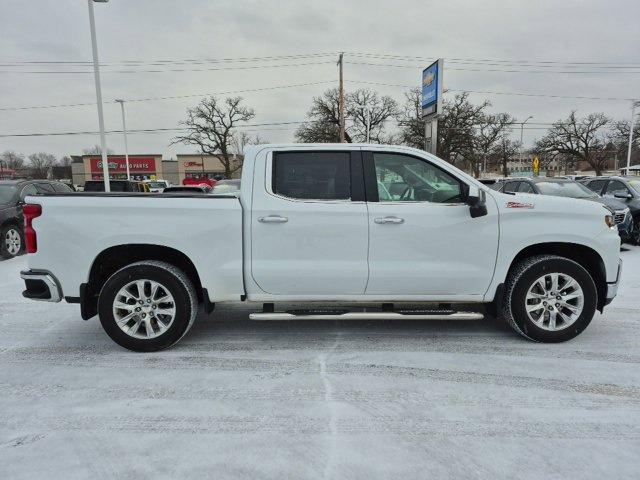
(565, 189)
(6, 193)
(635, 184)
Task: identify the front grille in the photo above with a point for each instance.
(619, 217)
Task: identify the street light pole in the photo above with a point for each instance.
(521, 137)
(124, 131)
(96, 74)
(634, 104)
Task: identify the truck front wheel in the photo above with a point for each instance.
(147, 306)
(549, 298)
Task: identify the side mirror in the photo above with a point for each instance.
(476, 199)
(623, 194)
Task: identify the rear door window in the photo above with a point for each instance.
(596, 186)
(525, 187)
(312, 175)
(510, 187)
(30, 189)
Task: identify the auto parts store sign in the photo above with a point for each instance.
(118, 165)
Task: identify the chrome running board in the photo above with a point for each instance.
(368, 316)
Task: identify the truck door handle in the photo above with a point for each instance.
(392, 220)
(273, 219)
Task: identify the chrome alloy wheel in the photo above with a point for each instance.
(554, 301)
(12, 241)
(144, 309)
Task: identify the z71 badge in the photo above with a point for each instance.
(520, 205)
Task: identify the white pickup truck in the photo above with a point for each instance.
(391, 232)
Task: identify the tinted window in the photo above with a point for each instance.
(30, 189)
(312, 175)
(408, 179)
(61, 188)
(596, 185)
(7, 193)
(510, 187)
(616, 186)
(45, 187)
(525, 187)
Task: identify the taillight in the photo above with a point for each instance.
(29, 212)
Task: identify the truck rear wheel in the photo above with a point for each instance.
(147, 306)
(549, 298)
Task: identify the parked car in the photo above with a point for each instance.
(210, 182)
(625, 189)
(560, 187)
(310, 227)
(12, 195)
(226, 187)
(188, 189)
(157, 186)
(114, 185)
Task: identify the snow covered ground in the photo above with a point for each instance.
(237, 399)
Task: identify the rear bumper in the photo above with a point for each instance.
(41, 285)
(612, 287)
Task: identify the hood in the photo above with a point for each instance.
(548, 203)
(612, 203)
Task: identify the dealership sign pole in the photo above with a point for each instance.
(124, 131)
(432, 103)
(96, 74)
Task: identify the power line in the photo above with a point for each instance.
(174, 61)
(496, 61)
(254, 67)
(174, 97)
(490, 70)
(544, 95)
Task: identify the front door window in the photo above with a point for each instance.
(401, 178)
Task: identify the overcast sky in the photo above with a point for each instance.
(150, 30)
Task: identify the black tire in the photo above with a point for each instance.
(523, 275)
(173, 280)
(4, 247)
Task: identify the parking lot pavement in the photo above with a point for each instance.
(366, 400)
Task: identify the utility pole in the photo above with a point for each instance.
(634, 104)
(96, 74)
(341, 101)
(521, 137)
(124, 131)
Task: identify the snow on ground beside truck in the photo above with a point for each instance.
(318, 399)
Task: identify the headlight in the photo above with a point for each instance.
(610, 222)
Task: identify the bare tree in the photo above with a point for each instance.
(365, 109)
(243, 139)
(410, 120)
(360, 106)
(95, 150)
(619, 138)
(505, 151)
(65, 161)
(211, 127)
(40, 164)
(456, 129)
(583, 139)
(12, 160)
(487, 136)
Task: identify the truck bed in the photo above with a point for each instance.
(76, 228)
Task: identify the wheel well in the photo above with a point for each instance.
(112, 259)
(581, 254)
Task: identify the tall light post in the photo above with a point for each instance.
(634, 104)
(96, 74)
(124, 131)
(522, 136)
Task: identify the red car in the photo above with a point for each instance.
(199, 181)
